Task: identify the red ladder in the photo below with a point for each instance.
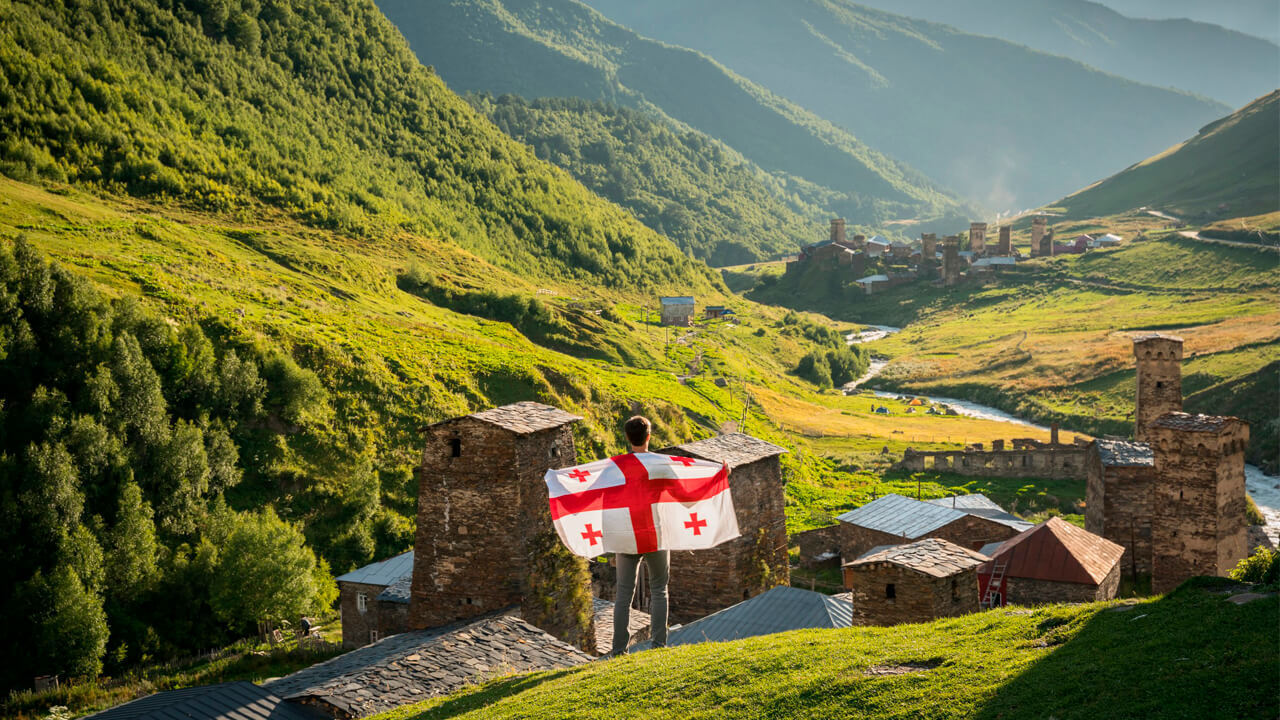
(995, 586)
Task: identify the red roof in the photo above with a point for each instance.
(1059, 551)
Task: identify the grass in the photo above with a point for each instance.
(1189, 654)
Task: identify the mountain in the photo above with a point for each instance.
(1255, 17)
(1199, 57)
(709, 200)
(562, 48)
(1005, 126)
(1231, 168)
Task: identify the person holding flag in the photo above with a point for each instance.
(641, 506)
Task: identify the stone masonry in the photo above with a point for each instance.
(978, 238)
(928, 245)
(950, 261)
(969, 531)
(917, 582)
(704, 581)
(1005, 247)
(1037, 234)
(1050, 462)
(1159, 382)
(1118, 499)
(837, 230)
(359, 618)
(484, 525)
(1028, 591)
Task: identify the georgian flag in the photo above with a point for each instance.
(642, 502)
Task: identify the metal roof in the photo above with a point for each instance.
(781, 609)
(873, 278)
(1146, 337)
(1059, 551)
(677, 300)
(1194, 423)
(734, 448)
(1122, 453)
(225, 701)
(932, 556)
(383, 573)
(901, 516)
(990, 548)
(982, 506)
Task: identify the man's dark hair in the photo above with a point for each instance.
(637, 430)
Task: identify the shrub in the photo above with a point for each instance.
(1262, 567)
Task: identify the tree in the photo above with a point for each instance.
(69, 623)
(131, 566)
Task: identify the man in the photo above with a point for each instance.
(637, 430)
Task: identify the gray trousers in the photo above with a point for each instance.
(659, 565)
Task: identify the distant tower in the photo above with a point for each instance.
(1037, 234)
(950, 260)
(978, 238)
(1047, 248)
(1198, 524)
(1006, 241)
(928, 246)
(837, 230)
(1159, 379)
(860, 241)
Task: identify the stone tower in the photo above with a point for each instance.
(1159, 379)
(485, 539)
(928, 246)
(1198, 524)
(1006, 241)
(950, 260)
(1037, 234)
(1046, 244)
(837, 230)
(978, 238)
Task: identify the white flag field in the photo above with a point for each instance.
(642, 502)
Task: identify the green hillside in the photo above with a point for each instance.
(713, 203)
(562, 48)
(1189, 654)
(1003, 125)
(1231, 168)
(1198, 57)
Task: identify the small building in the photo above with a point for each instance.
(369, 606)
(895, 519)
(677, 310)
(414, 666)
(993, 264)
(870, 282)
(916, 582)
(1055, 562)
(1108, 240)
(224, 701)
(714, 312)
(714, 579)
(877, 246)
(781, 609)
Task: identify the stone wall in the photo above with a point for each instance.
(1028, 591)
(356, 625)
(1118, 508)
(819, 541)
(485, 539)
(1005, 247)
(950, 261)
(917, 597)
(1037, 234)
(704, 581)
(978, 238)
(1063, 462)
(392, 618)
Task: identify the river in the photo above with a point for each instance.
(1263, 488)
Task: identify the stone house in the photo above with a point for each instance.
(916, 582)
(677, 310)
(373, 601)
(713, 312)
(1052, 562)
(704, 581)
(1118, 499)
(485, 540)
(895, 519)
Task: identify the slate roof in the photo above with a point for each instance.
(901, 516)
(637, 620)
(677, 300)
(778, 610)
(734, 448)
(225, 701)
(398, 591)
(1122, 453)
(1059, 551)
(1194, 423)
(982, 506)
(385, 572)
(526, 417)
(413, 666)
(932, 556)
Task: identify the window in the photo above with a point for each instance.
(1159, 384)
(555, 451)
(373, 636)
(890, 592)
(455, 448)
(362, 602)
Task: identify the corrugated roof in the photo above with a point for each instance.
(383, 573)
(932, 556)
(225, 701)
(733, 448)
(526, 417)
(1194, 423)
(1059, 551)
(1122, 453)
(873, 278)
(901, 516)
(677, 300)
(982, 506)
(413, 666)
(781, 609)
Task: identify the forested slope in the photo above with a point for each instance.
(562, 48)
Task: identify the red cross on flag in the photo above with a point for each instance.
(641, 502)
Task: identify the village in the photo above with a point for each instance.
(487, 589)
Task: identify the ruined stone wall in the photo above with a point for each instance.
(918, 597)
(356, 624)
(817, 542)
(1027, 591)
(1118, 508)
(1159, 380)
(1198, 522)
(704, 581)
(1065, 462)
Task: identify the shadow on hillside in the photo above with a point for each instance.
(465, 702)
(1189, 654)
